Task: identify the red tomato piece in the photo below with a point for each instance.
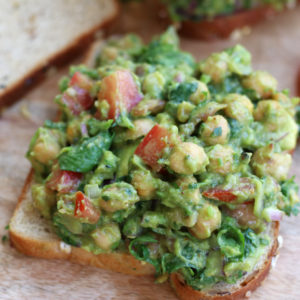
(64, 181)
(85, 209)
(120, 91)
(82, 81)
(219, 194)
(151, 147)
(78, 98)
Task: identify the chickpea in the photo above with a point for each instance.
(220, 159)
(209, 219)
(46, 146)
(266, 162)
(262, 83)
(153, 85)
(188, 158)
(177, 217)
(265, 108)
(186, 185)
(107, 236)
(184, 110)
(201, 94)
(215, 66)
(117, 196)
(141, 128)
(109, 53)
(147, 107)
(244, 215)
(239, 107)
(285, 102)
(144, 183)
(215, 130)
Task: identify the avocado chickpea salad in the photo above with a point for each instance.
(181, 163)
(197, 10)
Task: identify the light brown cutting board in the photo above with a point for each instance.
(275, 46)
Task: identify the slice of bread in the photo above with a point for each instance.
(33, 235)
(38, 34)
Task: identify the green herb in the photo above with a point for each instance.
(182, 91)
(55, 125)
(85, 156)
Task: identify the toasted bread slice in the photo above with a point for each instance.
(33, 235)
(248, 283)
(36, 35)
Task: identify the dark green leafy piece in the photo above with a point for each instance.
(55, 125)
(231, 240)
(138, 248)
(95, 126)
(182, 92)
(86, 155)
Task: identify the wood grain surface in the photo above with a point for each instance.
(275, 47)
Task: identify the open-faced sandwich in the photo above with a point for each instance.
(218, 19)
(162, 165)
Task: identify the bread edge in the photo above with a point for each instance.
(253, 281)
(223, 27)
(13, 92)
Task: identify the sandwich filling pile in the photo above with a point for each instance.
(198, 10)
(182, 164)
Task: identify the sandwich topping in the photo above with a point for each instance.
(198, 10)
(182, 164)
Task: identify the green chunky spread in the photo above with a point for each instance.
(183, 164)
(197, 10)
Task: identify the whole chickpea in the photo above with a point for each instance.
(215, 130)
(201, 94)
(188, 158)
(239, 107)
(220, 159)
(107, 236)
(193, 194)
(215, 66)
(262, 83)
(117, 196)
(209, 219)
(266, 162)
(144, 184)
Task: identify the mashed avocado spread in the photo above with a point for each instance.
(197, 10)
(181, 163)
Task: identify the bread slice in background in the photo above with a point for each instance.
(37, 34)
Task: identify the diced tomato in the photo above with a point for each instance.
(120, 91)
(85, 209)
(77, 97)
(64, 181)
(151, 147)
(219, 194)
(82, 81)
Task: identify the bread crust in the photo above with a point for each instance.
(185, 292)
(11, 93)
(56, 249)
(222, 27)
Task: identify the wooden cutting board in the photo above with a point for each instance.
(275, 47)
